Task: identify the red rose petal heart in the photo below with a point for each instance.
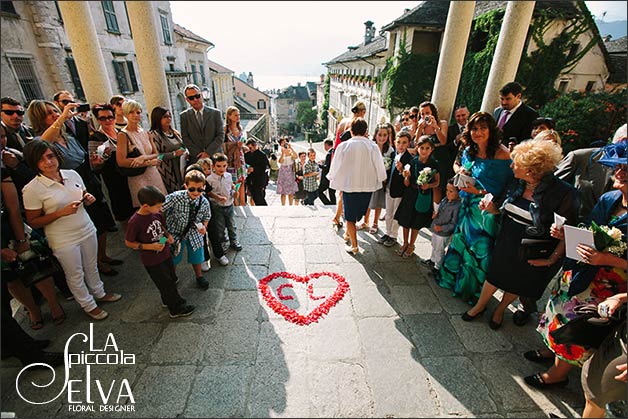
(292, 315)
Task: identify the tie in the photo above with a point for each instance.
(502, 120)
(199, 118)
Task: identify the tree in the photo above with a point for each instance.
(306, 116)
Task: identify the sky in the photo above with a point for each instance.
(282, 42)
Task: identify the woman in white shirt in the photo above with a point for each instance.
(55, 200)
(357, 170)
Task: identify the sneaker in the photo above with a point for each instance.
(184, 311)
(383, 239)
(111, 297)
(202, 282)
(205, 266)
(223, 260)
(390, 242)
(235, 245)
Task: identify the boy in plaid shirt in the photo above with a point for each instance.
(179, 208)
(310, 178)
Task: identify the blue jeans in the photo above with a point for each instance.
(311, 197)
(221, 217)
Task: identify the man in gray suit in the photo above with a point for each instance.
(202, 129)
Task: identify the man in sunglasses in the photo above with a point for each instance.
(17, 135)
(78, 127)
(202, 128)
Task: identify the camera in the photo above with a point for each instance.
(427, 118)
(84, 107)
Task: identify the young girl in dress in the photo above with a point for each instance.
(416, 207)
(378, 198)
(286, 182)
(234, 149)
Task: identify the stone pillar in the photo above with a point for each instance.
(512, 37)
(452, 52)
(81, 31)
(146, 40)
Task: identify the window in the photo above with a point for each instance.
(573, 51)
(165, 29)
(110, 16)
(194, 76)
(25, 74)
(590, 86)
(76, 80)
(126, 11)
(7, 7)
(261, 104)
(201, 68)
(125, 74)
(562, 86)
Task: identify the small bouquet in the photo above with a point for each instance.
(387, 163)
(608, 239)
(425, 176)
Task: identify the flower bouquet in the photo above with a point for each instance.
(425, 176)
(608, 239)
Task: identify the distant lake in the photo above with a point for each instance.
(267, 82)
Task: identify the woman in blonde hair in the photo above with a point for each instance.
(234, 149)
(527, 214)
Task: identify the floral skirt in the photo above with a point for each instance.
(560, 309)
(286, 181)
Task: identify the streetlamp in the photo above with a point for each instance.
(206, 93)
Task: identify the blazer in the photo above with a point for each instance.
(519, 125)
(206, 138)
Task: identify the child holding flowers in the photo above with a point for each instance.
(416, 208)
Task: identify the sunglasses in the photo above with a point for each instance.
(11, 112)
(406, 119)
(196, 96)
(413, 116)
(118, 104)
(193, 189)
(106, 118)
(66, 101)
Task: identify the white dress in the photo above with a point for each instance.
(151, 175)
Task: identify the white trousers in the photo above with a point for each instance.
(438, 249)
(392, 226)
(80, 264)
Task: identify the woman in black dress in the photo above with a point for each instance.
(527, 213)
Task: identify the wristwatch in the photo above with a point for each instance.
(140, 246)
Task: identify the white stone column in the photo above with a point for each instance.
(146, 40)
(81, 31)
(512, 37)
(452, 52)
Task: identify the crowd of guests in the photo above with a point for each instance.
(496, 193)
(494, 190)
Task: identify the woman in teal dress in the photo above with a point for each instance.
(466, 263)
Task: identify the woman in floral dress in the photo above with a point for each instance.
(234, 149)
(602, 275)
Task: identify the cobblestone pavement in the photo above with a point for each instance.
(394, 346)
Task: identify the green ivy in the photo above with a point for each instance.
(409, 79)
(325, 109)
(583, 118)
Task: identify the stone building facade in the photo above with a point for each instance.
(37, 55)
(223, 86)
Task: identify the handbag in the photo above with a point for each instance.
(588, 329)
(461, 180)
(536, 248)
(131, 171)
(35, 264)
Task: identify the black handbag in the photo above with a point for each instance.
(131, 171)
(536, 249)
(35, 265)
(588, 329)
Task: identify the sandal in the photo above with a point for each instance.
(336, 223)
(59, 319)
(409, 252)
(401, 250)
(373, 229)
(361, 226)
(37, 324)
(537, 356)
(537, 381)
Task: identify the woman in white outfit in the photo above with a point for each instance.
(55, 200)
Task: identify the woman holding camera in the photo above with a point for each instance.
(429, 124)
(286, 180)
(488, 162)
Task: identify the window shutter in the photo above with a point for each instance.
(122, 82)
(76, 80)
(134, 86)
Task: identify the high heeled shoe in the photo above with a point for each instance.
(467, 317)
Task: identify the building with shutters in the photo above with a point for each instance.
(37, 58)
